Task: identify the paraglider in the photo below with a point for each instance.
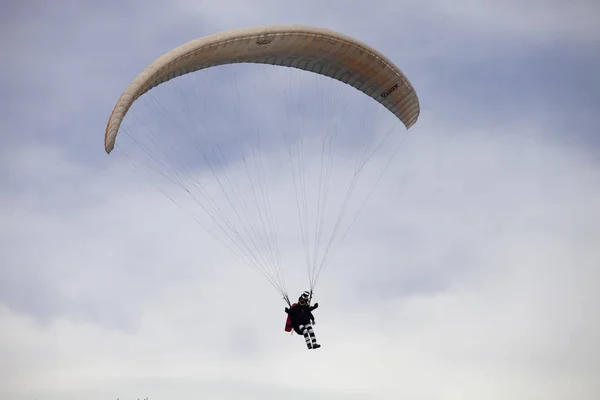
(301, 320)
(239, 203)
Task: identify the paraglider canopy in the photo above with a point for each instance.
(304, 47)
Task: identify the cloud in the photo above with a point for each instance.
(517, 304)
(472, 271)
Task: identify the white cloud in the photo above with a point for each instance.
(516, 321)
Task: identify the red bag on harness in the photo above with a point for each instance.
(288, 321)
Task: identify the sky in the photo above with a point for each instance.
(472, 272)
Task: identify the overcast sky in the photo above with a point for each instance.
(473, 272)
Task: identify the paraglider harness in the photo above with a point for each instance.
(288, 322)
